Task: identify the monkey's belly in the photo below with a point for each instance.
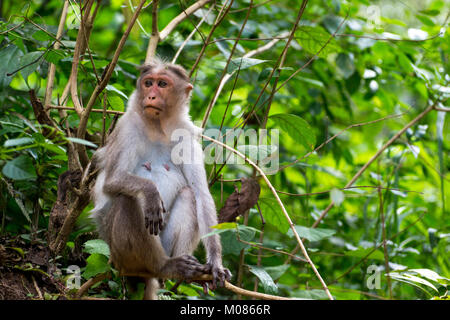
(167, 177)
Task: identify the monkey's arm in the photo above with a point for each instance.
(119, 180)
(206, 214)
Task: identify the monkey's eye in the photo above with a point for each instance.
(162, 84)
(148, 83)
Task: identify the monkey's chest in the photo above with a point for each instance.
(167, 177)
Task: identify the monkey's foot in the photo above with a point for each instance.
(186, 267)
(219, 276)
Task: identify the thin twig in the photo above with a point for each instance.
(443, 109)
(249, 54)
(220, 17)
(50, 106)
(189, 37)
(283, 209)
(388, 39)
(106, 75)
(227, 286)
(178, 19)
(156, 36)
(375, 156)
(37, 288)
(355, 125)
(225, 69)
(51, 71)
(280, 64)
(376, 248)
(92, 281)
(261, 247)
(80, 45)
(353, 187)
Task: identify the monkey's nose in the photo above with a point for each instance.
(152, 98)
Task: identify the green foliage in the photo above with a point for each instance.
(350, 80)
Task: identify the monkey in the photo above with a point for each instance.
(150, 208)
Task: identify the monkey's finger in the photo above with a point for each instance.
(227, 275)
(156, 228)
(205, 287)
(150, 228)
(161, 219)
(214, 281)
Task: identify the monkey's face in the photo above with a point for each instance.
(161, 94)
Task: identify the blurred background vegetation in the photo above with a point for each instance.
(369, 67)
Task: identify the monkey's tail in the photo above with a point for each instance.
(151, 288)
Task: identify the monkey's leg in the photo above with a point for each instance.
(180, 235)
(134, 250)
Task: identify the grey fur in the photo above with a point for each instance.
(131, 200)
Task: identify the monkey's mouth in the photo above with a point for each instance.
(153, 107)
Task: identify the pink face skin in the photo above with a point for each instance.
(159, 93)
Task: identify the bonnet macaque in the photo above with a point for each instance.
(151, 208)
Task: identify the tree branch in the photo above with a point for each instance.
(107, 75)
(182, 16)
(154, 38)
(159, 36)
(51, 71)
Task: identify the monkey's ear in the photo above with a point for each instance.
(188, 88)
(145, 68)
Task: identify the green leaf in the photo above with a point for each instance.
(297, 128)
(431, 275)
(17, 142)
(31, 60)
(276, 272)
(40, 35)
(266, 281)
(54, 148)
(411, 278)
(314, 39)
(116, 103)
(361, 253)
(272, 214)
(315, 294)
(425, 20)
(114, 89)
(225, 226)
(230, 243)
(432, 13)
(242, 63)
(312, 234)
(82, 141)
(20, 168)
(10, 57)
(96, 264)
(404, 63)
(97, 246)
(54, 56)
(345, 63)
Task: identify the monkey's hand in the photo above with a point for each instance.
(219, 275)
(153, 209)
(185, 267)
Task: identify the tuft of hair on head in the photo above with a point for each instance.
(161, 63)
